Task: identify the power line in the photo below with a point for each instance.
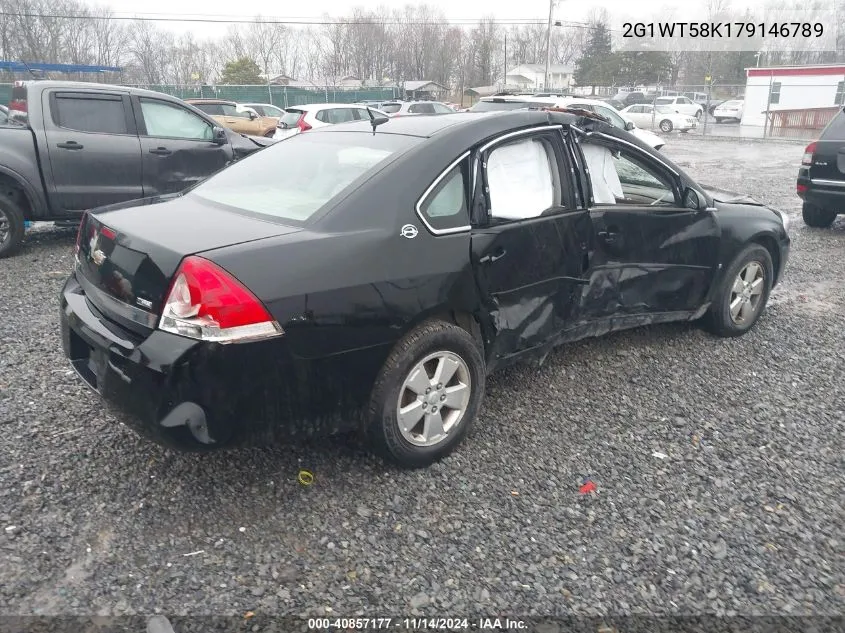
(300, 21)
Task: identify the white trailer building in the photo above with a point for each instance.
(792, 88)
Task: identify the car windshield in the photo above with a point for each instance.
(490, 106)
(290, 181)
(391, 108)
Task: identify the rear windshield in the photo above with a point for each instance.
(490, 106)
(731, 104)
(391, 108)
(835, 130)
(289, 118)
(292, 180)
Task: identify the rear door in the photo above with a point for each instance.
(529, 240)
(92, 142)
(653, 256)
(177, 146)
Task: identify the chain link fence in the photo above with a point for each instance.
(281, 96)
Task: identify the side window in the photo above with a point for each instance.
(445, 206)
(439, 108)
(774, 95)
(103, 114)
(523, 178)
(323, 115)
(340, 115)
(839, 98)
(168, 120)
(421, 108)
(620, 178)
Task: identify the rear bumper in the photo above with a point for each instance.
(827, 194)
(192, 395)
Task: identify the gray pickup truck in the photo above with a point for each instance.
(68, 147)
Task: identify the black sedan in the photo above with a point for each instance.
(370, 278)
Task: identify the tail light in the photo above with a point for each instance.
(302, 124)
(799, 189)
(79, 234)
(808, 154)
(206, 303)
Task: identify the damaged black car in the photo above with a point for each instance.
(370, 276)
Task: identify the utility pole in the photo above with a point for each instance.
(505, 70)
(548, 46)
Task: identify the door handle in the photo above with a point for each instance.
(608, 237)
(501, 252)
(161, 151)
(69, 145)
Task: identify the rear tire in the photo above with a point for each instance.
(744, 292)
(665, 126)
(12, 226)
(409, 381)
(817, 217)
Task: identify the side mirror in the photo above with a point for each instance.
(252, 115)
(218, 136)
(692, 200)
(629, 125)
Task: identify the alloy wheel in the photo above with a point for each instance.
(747, 293)
(433, 398)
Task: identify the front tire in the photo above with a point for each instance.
(744, 293)
(12, 225)
(666, 126)
(719, 119)
(427, 395)
(817, 217)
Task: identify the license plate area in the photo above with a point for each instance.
(86, 360)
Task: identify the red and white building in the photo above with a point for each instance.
(814, 89)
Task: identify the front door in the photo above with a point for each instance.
(653, 258)
(95, 154)
(177, 146)
(529, 241)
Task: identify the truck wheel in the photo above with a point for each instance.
(817, 217)
(11, 227)
(427, 395)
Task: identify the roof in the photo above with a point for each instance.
(418, 85)
(796, 71)
(482, 123)
(20, 67)
(89, 85)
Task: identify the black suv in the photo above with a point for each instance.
(821, 178)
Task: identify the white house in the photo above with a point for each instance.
(532, 77)
(791, 88)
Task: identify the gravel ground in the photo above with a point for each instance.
(718, 465)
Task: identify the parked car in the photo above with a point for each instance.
(701, 99)
(316, 115)
(76, 146)
(682, 104)
(615, 104)
(618, 119)
(663, 118)
(407, 108)
(359, 276)
(821, 177)
(729, 110)
(4, 114)
(263, 109)
(227, 114)
(378, 104)
(631, 98)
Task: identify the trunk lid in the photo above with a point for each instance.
(128, 255)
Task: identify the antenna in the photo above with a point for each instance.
(375, 122)
(31, 72)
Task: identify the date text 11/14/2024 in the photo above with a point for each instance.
(417, 624)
